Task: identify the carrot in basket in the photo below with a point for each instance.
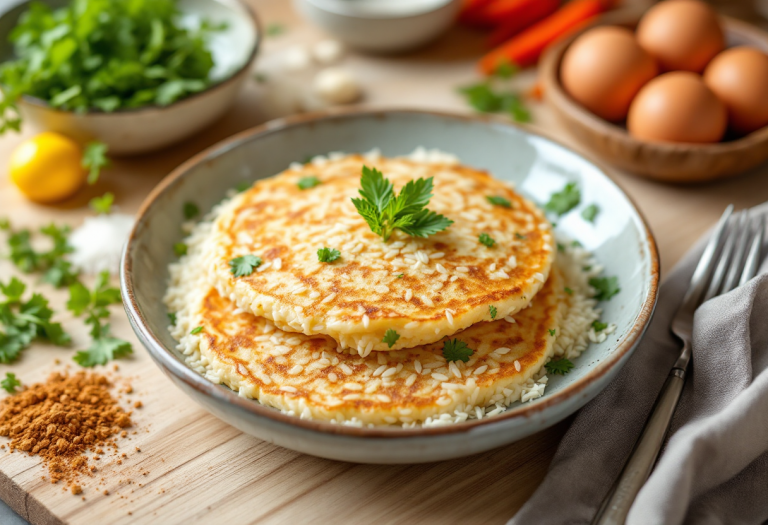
(528, 13)
(525, 48)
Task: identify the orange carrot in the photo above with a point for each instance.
(470, 10)
(530, 12)
(525, 48)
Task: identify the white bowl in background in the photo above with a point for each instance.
(381, 26)
(149, 128)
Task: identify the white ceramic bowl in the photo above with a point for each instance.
(400, 26)
(140, 130)
(538, 166)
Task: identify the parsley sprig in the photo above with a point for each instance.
(492, 310)
(487, 240)
(102, 205)
(390, 337)
(94, 160)
(386, 212)
(52, 263)
(456, 350)
(10, 383)
(559, 366)
(306, 183)
(21, 322)
(563, 201)
(328, 255)
(605, 287)
(245, 265)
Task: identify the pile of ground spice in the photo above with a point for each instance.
(61, 419)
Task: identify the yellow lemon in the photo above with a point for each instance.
(48, 167)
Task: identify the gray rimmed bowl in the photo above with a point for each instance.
(149, 128)
(539, 166)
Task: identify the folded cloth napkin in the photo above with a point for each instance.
(714, 468)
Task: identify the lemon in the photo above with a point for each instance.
(48, 167)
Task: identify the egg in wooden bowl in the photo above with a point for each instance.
(648, 140)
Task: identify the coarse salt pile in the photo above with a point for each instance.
(98, 243)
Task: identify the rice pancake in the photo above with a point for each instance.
(422, 288)
(310, 377)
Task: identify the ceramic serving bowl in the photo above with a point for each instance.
(657, 160)
(148, 128)
(390, 26)
(538, 166)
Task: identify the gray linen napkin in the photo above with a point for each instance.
(714, 468)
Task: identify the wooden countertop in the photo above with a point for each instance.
(200, 470)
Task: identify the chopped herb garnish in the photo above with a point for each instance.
(400, 275)
(560, 247)
(242, 186)
(245, 265)
(568, 291)
(606, 287)
(275, 29)
(21, 322)
(552, 332)
(559, 366)
(103, 204)
(493, 311)
(505, 70)
(52, 263)
(384, 212)
(327, 255)
(196, 330)
(586, 268)
(520, 236)
(94, 159)
(390, 337)
(103, 349)
(483, 98)
(590, 212)
(456, 350)
(576, 244)
(598, 326)
(306, 183)
(565, 200)
(93, 303)
(486, 240)
(10, 383)
(191, 210)
(498, 201)
(172, 318)
(180, 249)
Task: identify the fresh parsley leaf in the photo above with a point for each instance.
(568, 291)
(327, 255)
(52, 263)
(190, 210)
(21, 322)
(598, 326)
(245, 265)
(559, 366)
(242, 186)
(590, 212)
(456, 350)
(196, 330)
(498, 201)
(606, 287)
(565, 200)
(306, 183)
(180, 249)
(104, 348)
(506, 70)
(560, 247)
(493, 311)
(94, 159)
(275, 29)
(385, 212)
(93, 303)
(576, 244)
(10, 383)
(486, 240)
(552, 332)
(400, 275)
(172, 318)
(485, 99)
(5, 224)
(390, 337)
(103, 204)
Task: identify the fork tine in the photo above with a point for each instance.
(737, 264)
(753, 258)
(725, 258)
(703, 269)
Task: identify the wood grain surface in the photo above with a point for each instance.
(192, 468)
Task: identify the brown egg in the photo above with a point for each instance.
(677, 107)
(739, 77)
(604, 69)
(681, 34)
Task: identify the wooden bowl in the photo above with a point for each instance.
(672, 162)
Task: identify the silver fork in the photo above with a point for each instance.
(731, 258)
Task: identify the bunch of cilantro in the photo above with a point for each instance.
(105, 55)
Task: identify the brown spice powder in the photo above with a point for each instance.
(62, 418)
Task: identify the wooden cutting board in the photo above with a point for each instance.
(191, 467)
